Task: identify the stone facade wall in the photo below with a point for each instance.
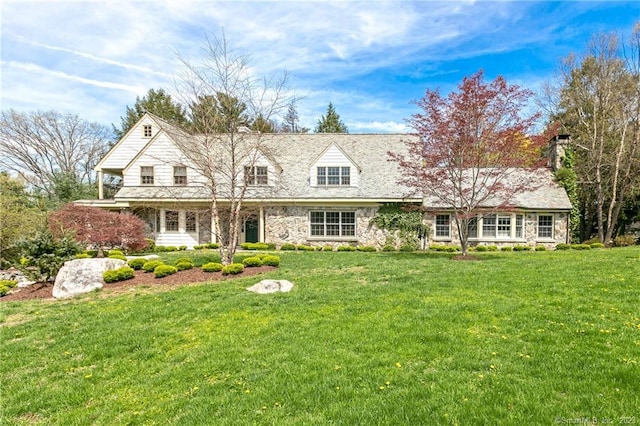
(530, 233)
(290, 224)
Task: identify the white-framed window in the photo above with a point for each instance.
(190, 221)
(502, 226)
(473, 227)
(333, 176)
(146, 175)
(171, 220)
(443, 226)
(256, 175)
(489, 226)
(179, 175)
(545, 226)
(332, 224)
(147, 131)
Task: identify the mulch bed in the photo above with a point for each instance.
(189, 276)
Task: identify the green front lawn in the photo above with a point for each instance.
(363, 338)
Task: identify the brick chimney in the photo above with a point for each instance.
(557, 147)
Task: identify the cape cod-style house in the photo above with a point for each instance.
(314, 189)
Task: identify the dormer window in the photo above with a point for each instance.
(256, 175)
(179, 175)
(332, 176)
(147, 131)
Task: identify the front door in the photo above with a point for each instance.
(251, 230)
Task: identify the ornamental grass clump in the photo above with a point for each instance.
(164, 270)
(212, 267)
(251, 262)
(120, 274)
(151, 265)
(232, 269)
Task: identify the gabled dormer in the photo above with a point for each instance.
(334, 168)
(261, 170)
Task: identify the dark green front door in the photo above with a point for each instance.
(251, 231)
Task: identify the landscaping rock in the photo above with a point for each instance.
(271, 286)
(16, 275)
(83, 275)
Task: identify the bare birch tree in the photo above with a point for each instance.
(44, 147)
(224, 95)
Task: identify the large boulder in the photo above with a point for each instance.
(271, 286)
(82, 276)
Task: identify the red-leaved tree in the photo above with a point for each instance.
(472, 149)
(101, 228)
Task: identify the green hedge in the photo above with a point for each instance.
(212, 267)
(150, 265)
(137, 263)
(120, 274)
(6, 285)
(271, 260)
(252, 261)
(164, 270)
(232, 269)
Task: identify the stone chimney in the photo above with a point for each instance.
(557, 147)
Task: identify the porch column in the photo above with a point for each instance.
(261, 225)
(100, 186)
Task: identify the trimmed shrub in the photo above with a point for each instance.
(82, 256)
(366, 248)
(118, 256)
(492, 248)
(388, 247)
(120, 274)
(184, 265)
(592, 240)
(346, 248)
(255, 246)
(596, 245)
(212, 246)
(580, 246)
(212, 267)
(150, 265)
(6, 285)
(521, 248)
(198, 247)
(164, 270)
(137, 263)
(271, 260)
(232, 269)
(170, 248)
(481, 248)
(183, 259)
(541, 248)
(563, 246)
(624, 240)
(506, 248)
(305, 247)
(252, 261)
(92, 253)
(288, 246)
(182, 248)
(115, 252)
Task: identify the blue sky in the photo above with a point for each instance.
(371, 59)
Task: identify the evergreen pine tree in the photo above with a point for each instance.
(331, 122)
(157, 102)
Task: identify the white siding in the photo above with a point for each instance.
(333, 157)
(162, 154)
(129, 146)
